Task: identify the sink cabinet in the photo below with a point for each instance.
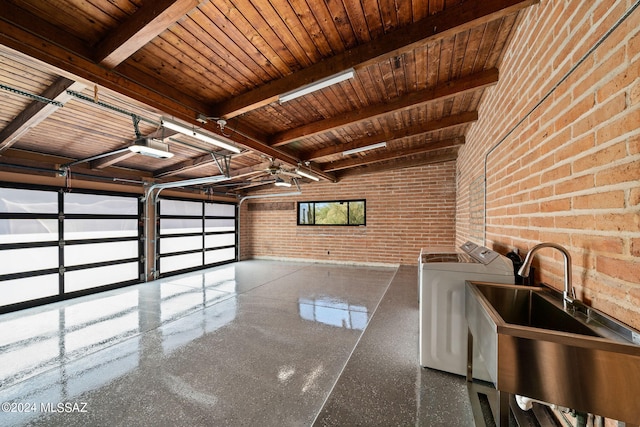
(535, 348)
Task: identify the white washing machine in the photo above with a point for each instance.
(443, 326)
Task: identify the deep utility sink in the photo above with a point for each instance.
(576, 357)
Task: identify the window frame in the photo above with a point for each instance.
(341, 201)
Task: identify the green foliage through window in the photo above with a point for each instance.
(342, 212)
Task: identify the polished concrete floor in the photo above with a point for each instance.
(255, 343)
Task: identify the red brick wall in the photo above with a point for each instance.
(570, 171)
(406, 210)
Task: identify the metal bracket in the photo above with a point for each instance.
(223, 163)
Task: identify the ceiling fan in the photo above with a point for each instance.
(277, 170)
(277, 175)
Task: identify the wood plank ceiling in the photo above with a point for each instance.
(108, 70)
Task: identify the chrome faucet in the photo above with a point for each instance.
(568, 295)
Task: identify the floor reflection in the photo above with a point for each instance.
(48, 340)
(333, 312)
(188, 343)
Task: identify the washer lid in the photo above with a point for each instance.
(453, 257)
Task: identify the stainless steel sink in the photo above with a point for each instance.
(577, 358)
(527, 307)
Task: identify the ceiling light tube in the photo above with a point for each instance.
(151, 152)
(317, 85)
(366, 148)
(282, 183)
(186, 130)
(307, 175)
(151, 147)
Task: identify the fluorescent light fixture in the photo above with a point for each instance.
(194, 181)
(366, 148)
(282, 183)
(307, 175)
(151, 148)
(186, 130)
(317, 85)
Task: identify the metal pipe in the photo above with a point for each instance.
(90, 159)
(185, 183)
(160, 187)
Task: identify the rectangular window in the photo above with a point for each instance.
(340, 212)
(17, 200)
(98, 204)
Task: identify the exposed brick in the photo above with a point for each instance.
(621, 125)
(635, 247)
(571, 185)
(634, 145)
(619, 269)
(618, 222)
(576, 147)
(634, 93)
(620, 82)
(576, 222)
(627, 172)
(556, 205)
(406, 210)
(634, 197)
(557, 173)
(608, 200)
(599, 244)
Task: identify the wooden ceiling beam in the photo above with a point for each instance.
(451, 21)
(185, 166)
(390, 135)
(250, 170)
(110, 160)
(13, 15)
(391, 155)
(463, 85)
(420, 160)
(144, 89)
(153, 18)
(37, 111)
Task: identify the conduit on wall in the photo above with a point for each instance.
(545, 97)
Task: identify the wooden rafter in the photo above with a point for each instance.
(420, 160)
(144, 25)
(453, 20)
(188, 165)
(150, 92)
(391, 155)
(417, 129)
(111, 160)
(37, 111)
(412, 100)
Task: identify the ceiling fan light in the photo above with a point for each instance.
(307, 175)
